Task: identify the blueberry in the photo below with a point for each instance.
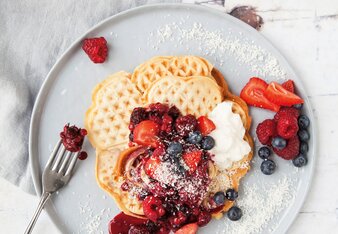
(195, 137)
(174, 148)
(304, 147)
(304, 135)
(264, 152)
(278, 143)
(219, 198)
(303, 122)
(300, 160)
(234, 213)
(207, 143)
(298, 106)
(131, 137)
(268, 167)
(231, 194)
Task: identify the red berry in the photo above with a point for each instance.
(185, 124)
(83, 155)
(287, 126)
(96, 49)
(83, 132)
(265, 131)
(289, 86)
(205, 125)
(203, 218)
(192, 160)
(138, 115)
(288, 111)
(151, 165)
(167, 122)
(159, 108)
(152, 208)
(291, 150)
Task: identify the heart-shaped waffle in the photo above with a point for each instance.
(158, 67)
(107, 119)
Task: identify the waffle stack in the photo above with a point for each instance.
(190, 83)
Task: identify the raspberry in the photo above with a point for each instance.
(152, 208)
(159, 108)
(159, 152)
(154, 117)
(265, 131)
(289, 111)
(291, 150)
(203, 218)
(287, 126)
(167, 122)
(185, 124)
(138, 115)
(174, 112)
(289, 86)
(96, 49)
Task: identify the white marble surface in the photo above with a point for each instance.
(306, 32)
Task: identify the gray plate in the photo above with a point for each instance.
(65, 95)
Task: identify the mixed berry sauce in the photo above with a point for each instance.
(72, 138)
(173, 153)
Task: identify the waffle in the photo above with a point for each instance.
(195, 95)
(110, 176)
(158, 67)
(107, 118)
(192, 93)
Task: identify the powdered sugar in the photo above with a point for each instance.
(218, 45)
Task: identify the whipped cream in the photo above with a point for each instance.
(229, 146)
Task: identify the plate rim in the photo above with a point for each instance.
(48, 81)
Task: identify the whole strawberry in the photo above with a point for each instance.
(96, 49)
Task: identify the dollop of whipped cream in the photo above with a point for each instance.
(229, 146)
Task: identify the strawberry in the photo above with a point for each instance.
(280, 96)
(291, 150)
(286, 111)
(151, 165)
(289, 86)
(192, 159)
(265, 131)
(146, 133)
(190, 228)
(96, 49)
(253, 94)
(205, 125)
(153, 208)
(287, 126)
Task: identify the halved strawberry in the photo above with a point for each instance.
(205, 125)
(190, 228)
(289, 86)
(146, 133)
(277, 94)
(151, 165)
(253, 94)
(192, 159)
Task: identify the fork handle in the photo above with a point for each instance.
(42, 202)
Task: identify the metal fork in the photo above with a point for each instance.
(56, 174)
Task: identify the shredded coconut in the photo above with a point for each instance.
(260, 207)
(216, 44)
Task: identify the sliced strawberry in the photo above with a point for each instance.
(192, 159)
(146, 133)
(190, 228)
(253, 94)
(289, 86)
(205, 125)
(280, 96)
(151, 165)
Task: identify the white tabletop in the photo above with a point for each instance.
(307, 34)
